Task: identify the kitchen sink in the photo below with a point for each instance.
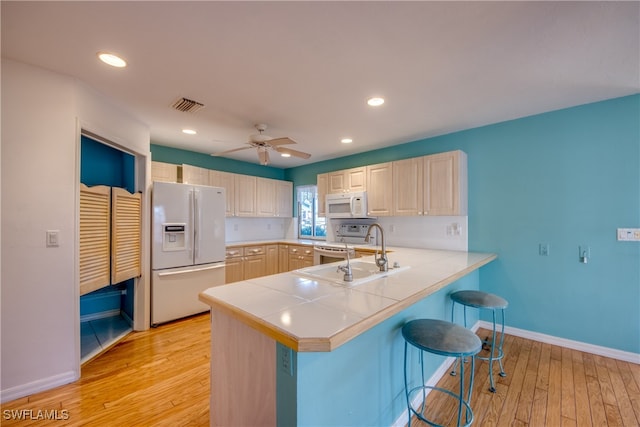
(363, 271)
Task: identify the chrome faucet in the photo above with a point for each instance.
(348, 275)
(382, 260)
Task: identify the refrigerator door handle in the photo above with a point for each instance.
(196, 225)
(191, 270)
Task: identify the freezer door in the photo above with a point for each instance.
(209, 208)
(174, 292)
(172, 225)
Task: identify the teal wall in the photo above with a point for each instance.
(160, 153)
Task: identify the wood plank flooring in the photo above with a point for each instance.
(160, 377)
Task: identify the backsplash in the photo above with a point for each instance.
(248, 229)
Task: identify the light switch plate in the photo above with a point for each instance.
(53, 238)
(629, 234)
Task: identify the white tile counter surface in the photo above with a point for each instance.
(318, 315)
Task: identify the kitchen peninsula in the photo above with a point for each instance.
(290, 350)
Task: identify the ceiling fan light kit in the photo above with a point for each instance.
(263, 143)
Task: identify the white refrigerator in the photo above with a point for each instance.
(187, 254)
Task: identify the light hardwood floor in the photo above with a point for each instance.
(160, 377)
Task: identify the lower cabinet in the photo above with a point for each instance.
(300, 256)
(283, 258)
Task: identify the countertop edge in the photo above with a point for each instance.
(322, 344)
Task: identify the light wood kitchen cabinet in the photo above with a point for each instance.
(245, 195)
(234, 267)
(195, 175)
(283, 258)
(165, 172)
(255, 262)
(347, 180)
(284, 199)
(322, 188)
(445, 183)
(225, 180)
(431, 185)
(380, 189)
(272, 266)
(300, 256)
(407, 187)
(265, 197)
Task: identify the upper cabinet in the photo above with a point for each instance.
(445, 183)
(347, 180)
(227, 181)
(380, 189)
(431, 185)
(195, 175)
(284, 199)
(165, 172)
(265, 197)
(245, 195)
(428, 185)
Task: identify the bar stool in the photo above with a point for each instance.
(484, 300)
(445, 339)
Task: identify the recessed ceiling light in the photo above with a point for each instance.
(375, 101)
(285, 154)
(189, 131)
(346, 140)
(111, 59)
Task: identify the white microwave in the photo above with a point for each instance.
(347, 205)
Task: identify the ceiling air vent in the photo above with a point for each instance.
(187, 105)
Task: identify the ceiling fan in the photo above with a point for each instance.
(264, 143)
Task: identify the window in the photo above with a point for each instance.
(309, 224)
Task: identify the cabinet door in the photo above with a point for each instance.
(445, 184)
(272, 266)
(225, 180)
(265, 197)
(283, 258)
(408, 187)
(284, 199)
(165, 172)
(356, 179)
(255, 266)
(379, 195)
(245, 195)
(337, 182)
(322, 185)
(195, 175)
(233, 270)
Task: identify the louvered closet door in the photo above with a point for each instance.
(94, 237)
(125, 235)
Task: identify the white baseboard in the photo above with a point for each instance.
(563, 342)
(38, 386)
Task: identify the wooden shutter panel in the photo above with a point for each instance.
(126, 235)
(94, 237)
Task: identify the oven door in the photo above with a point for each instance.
(329, 254)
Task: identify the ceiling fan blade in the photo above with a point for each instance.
(281, 141)
(222, 153)
(294, 153)
(263, 155)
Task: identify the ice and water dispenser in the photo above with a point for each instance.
(174, 237)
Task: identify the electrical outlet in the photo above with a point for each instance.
(543, 249)
(629, 234)
(286, 359)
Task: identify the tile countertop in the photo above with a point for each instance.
(310, 315)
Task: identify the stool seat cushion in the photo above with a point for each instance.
(441, 337)
(479, 299)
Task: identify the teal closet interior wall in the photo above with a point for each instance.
(104, 165)
(176, 156)
(565, 178)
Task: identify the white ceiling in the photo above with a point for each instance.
(307, 68)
